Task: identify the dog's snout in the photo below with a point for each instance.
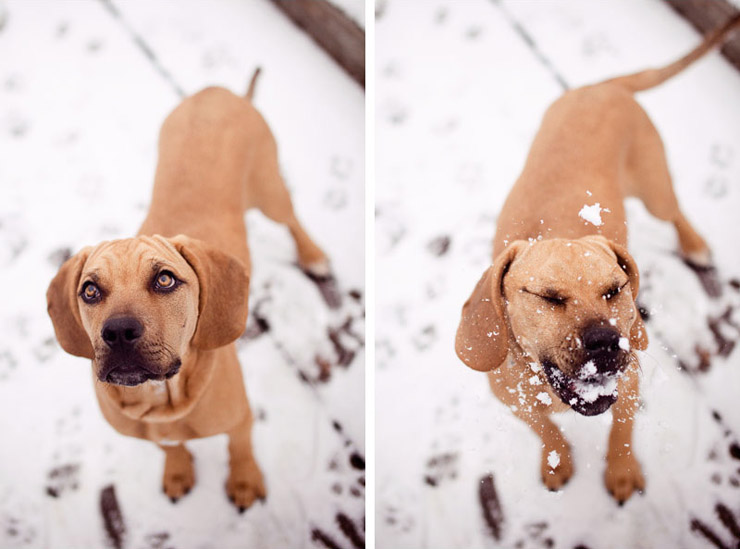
(600, 339)
(122, 331)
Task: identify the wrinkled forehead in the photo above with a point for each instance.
(557, 262)
(129, 256)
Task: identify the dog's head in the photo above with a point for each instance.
(569, 305)
(137, 306)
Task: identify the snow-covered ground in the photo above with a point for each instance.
(461, 88)
(84, 88)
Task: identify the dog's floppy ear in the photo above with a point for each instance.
(638, 334)
(482, 340)
(63, 306)
(224, 289)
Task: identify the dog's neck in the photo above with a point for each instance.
(163, 401)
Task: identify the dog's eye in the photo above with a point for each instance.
(613, 292)
(553, 299)
(90, 293)
(165, 281)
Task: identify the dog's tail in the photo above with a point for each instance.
(652, 77)
(253, 83)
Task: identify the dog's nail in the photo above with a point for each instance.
(620, 503)
(242, 509)
(173, 499)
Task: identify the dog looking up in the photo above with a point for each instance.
(158, 314)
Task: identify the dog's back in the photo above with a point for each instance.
(210, 147)
(595, 146)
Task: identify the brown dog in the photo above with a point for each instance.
(158, 314)
(553, 321)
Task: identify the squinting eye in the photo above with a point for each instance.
(90, 293)
(611, 294)
(552, 300)
(165, 281)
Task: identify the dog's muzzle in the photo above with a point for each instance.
(124, 363)
(592, 388)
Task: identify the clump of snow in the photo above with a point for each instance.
(624, 344)
(592, 214)
(535, 380)
(589, 369)
(553, 459)
(589, 392)
(544, 398)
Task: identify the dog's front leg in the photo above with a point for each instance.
(245, 483)
(556, 465)
(179, 475)
(623, 472)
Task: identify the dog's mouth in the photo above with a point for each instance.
(590, 393)
(130, 373)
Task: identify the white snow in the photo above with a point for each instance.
(590, 391)
(553, 459)
(624, 343)
(588, 369)
(592, 214)
(544, 398)
(80, 110)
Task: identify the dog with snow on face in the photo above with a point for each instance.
(553, 321)
(158, 314)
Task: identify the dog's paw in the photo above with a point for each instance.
(701, 264)
(179, 474)
(623, 477)
(556, 467)
(245, 485)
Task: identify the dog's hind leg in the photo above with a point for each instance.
(179, 475)
(245, 483)
(271, 196)
(649, 179)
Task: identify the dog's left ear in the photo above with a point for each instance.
(224, 290)
(638, 334)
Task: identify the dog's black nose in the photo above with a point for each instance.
(122, 331)
(599, 339)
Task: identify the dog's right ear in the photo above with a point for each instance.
(63, 307)
(482, 340)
